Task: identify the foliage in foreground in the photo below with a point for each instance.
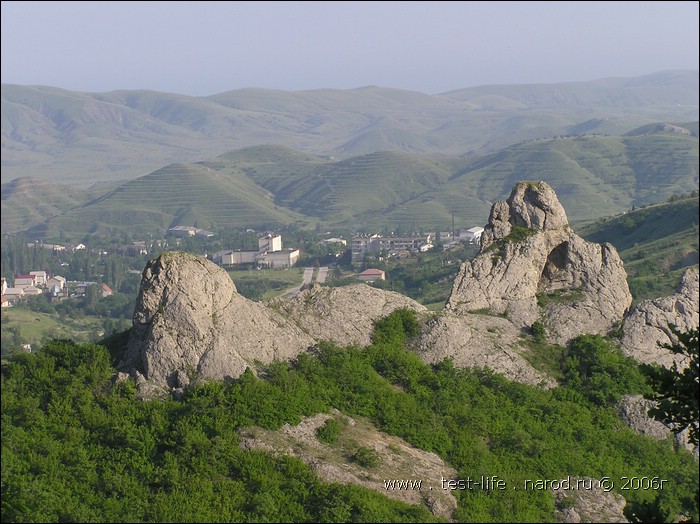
(678, 391)
(76, 448)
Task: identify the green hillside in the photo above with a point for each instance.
(593, 176)
(29, 201)
(79, 447)
(656, 243)
(273, 186)
(191, 194)
(79, 138)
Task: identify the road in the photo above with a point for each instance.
(322, 274)
(308, 276)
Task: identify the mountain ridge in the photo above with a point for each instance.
(275, 186)
(74, 137)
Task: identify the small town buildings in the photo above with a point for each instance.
(53, 247)
(270, 254)
(229, 257)
(374, 244)
(189, 231)
(56, 284)
(270, 243)
(13, 293)
(335, 240)
(40, 277)
(32, 291)
(278, 259)
(24, 281)
(372, 275)
(473, 234)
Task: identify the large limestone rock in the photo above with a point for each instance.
(587, 500)
(532, 266)
(190, 320)
(479, 341)
(343, 315)
(646, 328)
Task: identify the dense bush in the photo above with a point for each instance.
(598, 369)
(329, 431)
(76, 448)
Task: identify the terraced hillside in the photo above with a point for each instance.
(273, 186)
(28, 201)
(657, 243)
(180, 194)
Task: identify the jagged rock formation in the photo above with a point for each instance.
(532, 266)
(646, 327)
(190, 321)
(343, 315)
(479, 341)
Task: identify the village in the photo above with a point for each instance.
(364, 249)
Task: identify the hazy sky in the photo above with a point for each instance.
(204, 48)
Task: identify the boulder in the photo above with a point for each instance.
(532, 266)
(647, 327)
(343, 315)
(190, 321)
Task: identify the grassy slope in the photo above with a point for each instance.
(36, 328)
(594, 176)
(656, 243)
(175, 195)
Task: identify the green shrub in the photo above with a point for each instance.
(597, 368)
(538, 331)
(366, 457)
(329, 431)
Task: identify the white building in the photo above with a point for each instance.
(278, 259)
(56, 284)
(371, 275)
(473, 234)
(230, 257)
(40, 277)
(270, 243)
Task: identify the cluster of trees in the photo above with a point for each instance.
(75, 446)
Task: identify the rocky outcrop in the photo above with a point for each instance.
(532, 266)
(333, 463)
(646, 328)
(479, 341)
(190, 321)
(587, 500)
(634, 411)
(343, 315)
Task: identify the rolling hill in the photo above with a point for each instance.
(83, 138)
(657, 243)
(274, 186)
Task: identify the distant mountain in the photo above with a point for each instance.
(274, 186)
(82, 138)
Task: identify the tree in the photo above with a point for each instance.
(676, 391)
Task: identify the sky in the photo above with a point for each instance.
(205, 48)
